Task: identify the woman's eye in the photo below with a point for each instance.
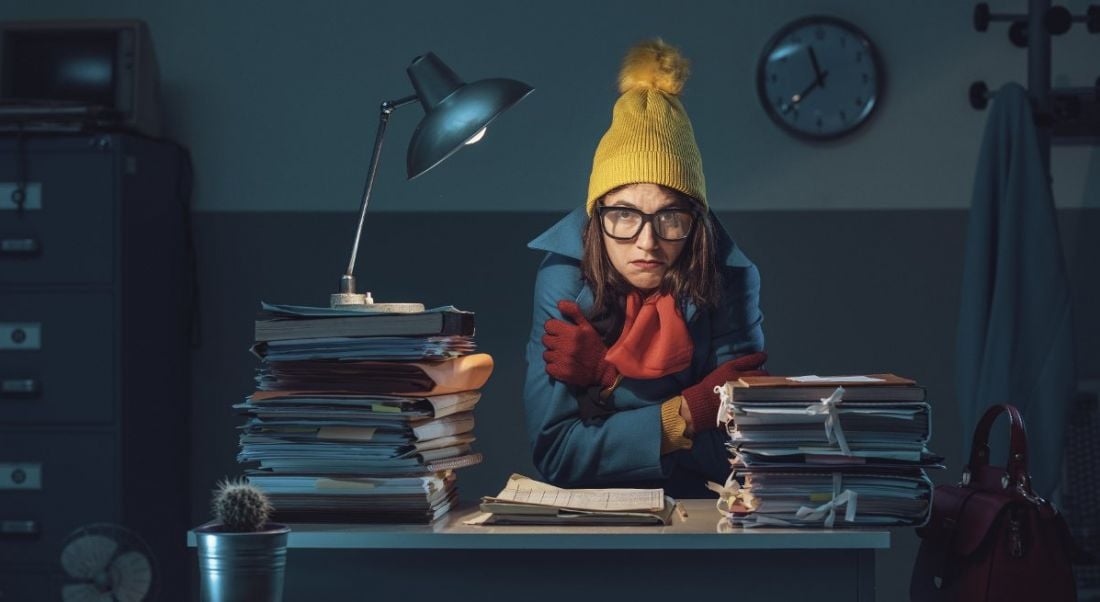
(623, 215)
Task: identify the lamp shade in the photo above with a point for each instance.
(454, 111)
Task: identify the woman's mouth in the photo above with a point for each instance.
(647, 264)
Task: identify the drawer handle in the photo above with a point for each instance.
(15, 196)
(20, 388)
(20, 247)
(20, 336)
(22, 476)
(19, 528)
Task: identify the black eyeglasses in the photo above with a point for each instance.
(624, 223)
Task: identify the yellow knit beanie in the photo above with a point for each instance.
(650, 138)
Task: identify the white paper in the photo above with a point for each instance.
(522, 490)
(813, 378)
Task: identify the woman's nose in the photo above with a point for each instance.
(646, 238)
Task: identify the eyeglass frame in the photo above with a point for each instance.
(647, 218)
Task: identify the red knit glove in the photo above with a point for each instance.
(701, 399)
(575, 351)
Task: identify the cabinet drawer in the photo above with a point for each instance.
(57, 358)
(66, 231)
(50, 484)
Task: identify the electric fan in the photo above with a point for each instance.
(107, 563)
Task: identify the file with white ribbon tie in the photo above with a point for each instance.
(833, 431)
(825, 451)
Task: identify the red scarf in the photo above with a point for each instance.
(655, 341)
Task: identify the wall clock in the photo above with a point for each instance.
(819, 78)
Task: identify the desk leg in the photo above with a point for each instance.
(865, 575)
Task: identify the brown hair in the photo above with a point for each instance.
(693, 277)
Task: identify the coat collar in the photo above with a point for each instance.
(564, 238)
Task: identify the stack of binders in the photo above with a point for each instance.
(362, 417)
(827, 451)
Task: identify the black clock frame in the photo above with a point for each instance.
(785, 31)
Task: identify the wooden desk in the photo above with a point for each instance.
(688, 559)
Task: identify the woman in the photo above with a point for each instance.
(643, 305)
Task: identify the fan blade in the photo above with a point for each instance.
(84, 592)
(87, 556)
(131, 576)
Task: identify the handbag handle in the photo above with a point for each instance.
(1016, 468)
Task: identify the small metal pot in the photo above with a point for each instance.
(241, 566)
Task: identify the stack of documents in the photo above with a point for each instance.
(362, 417)
(827, 451)
(359, 499)
(525, 501)
(288, 332)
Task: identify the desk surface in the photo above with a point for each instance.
(700, 531)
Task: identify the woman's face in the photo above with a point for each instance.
(644, 259)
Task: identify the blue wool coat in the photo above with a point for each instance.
(625, 449)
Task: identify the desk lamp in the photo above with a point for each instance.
(456, 115)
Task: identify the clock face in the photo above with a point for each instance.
(819, 78)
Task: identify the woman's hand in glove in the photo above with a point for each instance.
(700, 406)
(575, 351)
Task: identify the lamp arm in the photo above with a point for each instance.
(347, 281)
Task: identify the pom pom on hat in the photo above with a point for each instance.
(654, 64)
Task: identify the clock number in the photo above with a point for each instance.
(866, 78)
(819, 33)
(819, 123)
(796, 39)
(859, 56)
(859, 102)
(843, 42)
(843, 115)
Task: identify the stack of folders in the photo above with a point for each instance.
(813, 451)
(362, 417)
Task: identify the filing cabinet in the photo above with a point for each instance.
(95, 307)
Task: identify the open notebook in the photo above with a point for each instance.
(525, 501)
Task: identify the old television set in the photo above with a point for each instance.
(58, 75)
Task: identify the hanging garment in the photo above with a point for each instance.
(1015, 337)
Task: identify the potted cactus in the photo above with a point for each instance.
(242, 555)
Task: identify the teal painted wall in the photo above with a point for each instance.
(278, 100)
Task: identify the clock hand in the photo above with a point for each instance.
(797, 98)
(817, 68)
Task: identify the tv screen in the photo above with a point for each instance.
(60, 66)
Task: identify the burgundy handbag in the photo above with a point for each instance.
(990, 538)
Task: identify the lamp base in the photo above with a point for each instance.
(364, 302)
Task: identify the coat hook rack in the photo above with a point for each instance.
(1064, 115)
(1056, 19)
